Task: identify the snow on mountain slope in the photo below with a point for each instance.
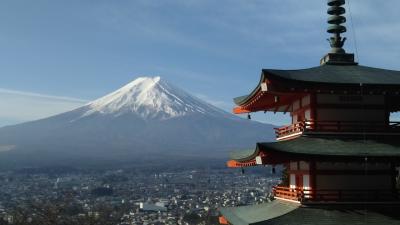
(150, 98)
(145, 118)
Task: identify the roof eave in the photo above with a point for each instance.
(246, 98)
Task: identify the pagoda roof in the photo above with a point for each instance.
(255, 213)
(280, 212)
(317, 146)
(326, 74)
(340, 74)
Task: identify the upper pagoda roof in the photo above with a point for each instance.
(340, 74)
(333, 75)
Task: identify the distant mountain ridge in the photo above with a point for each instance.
(146, 118)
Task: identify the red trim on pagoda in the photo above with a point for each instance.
(240, 110)
(268, 101)
(223, 221)
(291, 131)
(237, 164)
(263, 158)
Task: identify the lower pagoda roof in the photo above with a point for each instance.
(318, 146)
(280, 212)
(246, 215)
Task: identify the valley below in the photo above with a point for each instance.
(187, 193)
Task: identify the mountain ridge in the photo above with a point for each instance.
(148, 117)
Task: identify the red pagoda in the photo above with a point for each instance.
(341, 153)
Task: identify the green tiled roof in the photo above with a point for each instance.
(330, 74)
(244, 155)
(334, 147)
(246, 215)
(281, 213)
(241, 99)
(340, 74)
(326, 147)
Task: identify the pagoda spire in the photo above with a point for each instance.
(336, 19)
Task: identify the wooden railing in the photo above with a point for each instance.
(293, 129)
(336, 126)
(300, 195)
(287, 193)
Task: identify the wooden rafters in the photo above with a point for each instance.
(237, 164)
(266, 102)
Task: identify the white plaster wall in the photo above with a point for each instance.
(307, 114)
(306, 182)
(292, 180)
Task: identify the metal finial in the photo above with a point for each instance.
(336, 19)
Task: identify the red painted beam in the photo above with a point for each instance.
(223, 221)
(237, 164)
(240, 110)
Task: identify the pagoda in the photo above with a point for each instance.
(340, 154)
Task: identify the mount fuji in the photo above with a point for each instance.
(147, 118)
(151, 99)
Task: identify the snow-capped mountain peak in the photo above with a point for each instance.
(146, 119)
(150, 98)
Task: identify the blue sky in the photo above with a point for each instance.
(57, 55)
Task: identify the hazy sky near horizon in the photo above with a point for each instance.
(57, 55)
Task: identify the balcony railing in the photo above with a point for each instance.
(304, 196)
(291, 130)
(301, 127)
(287, 193)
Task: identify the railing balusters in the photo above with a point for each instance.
(337, 126)
(336, 195)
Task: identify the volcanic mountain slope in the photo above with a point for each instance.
(148, 117)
